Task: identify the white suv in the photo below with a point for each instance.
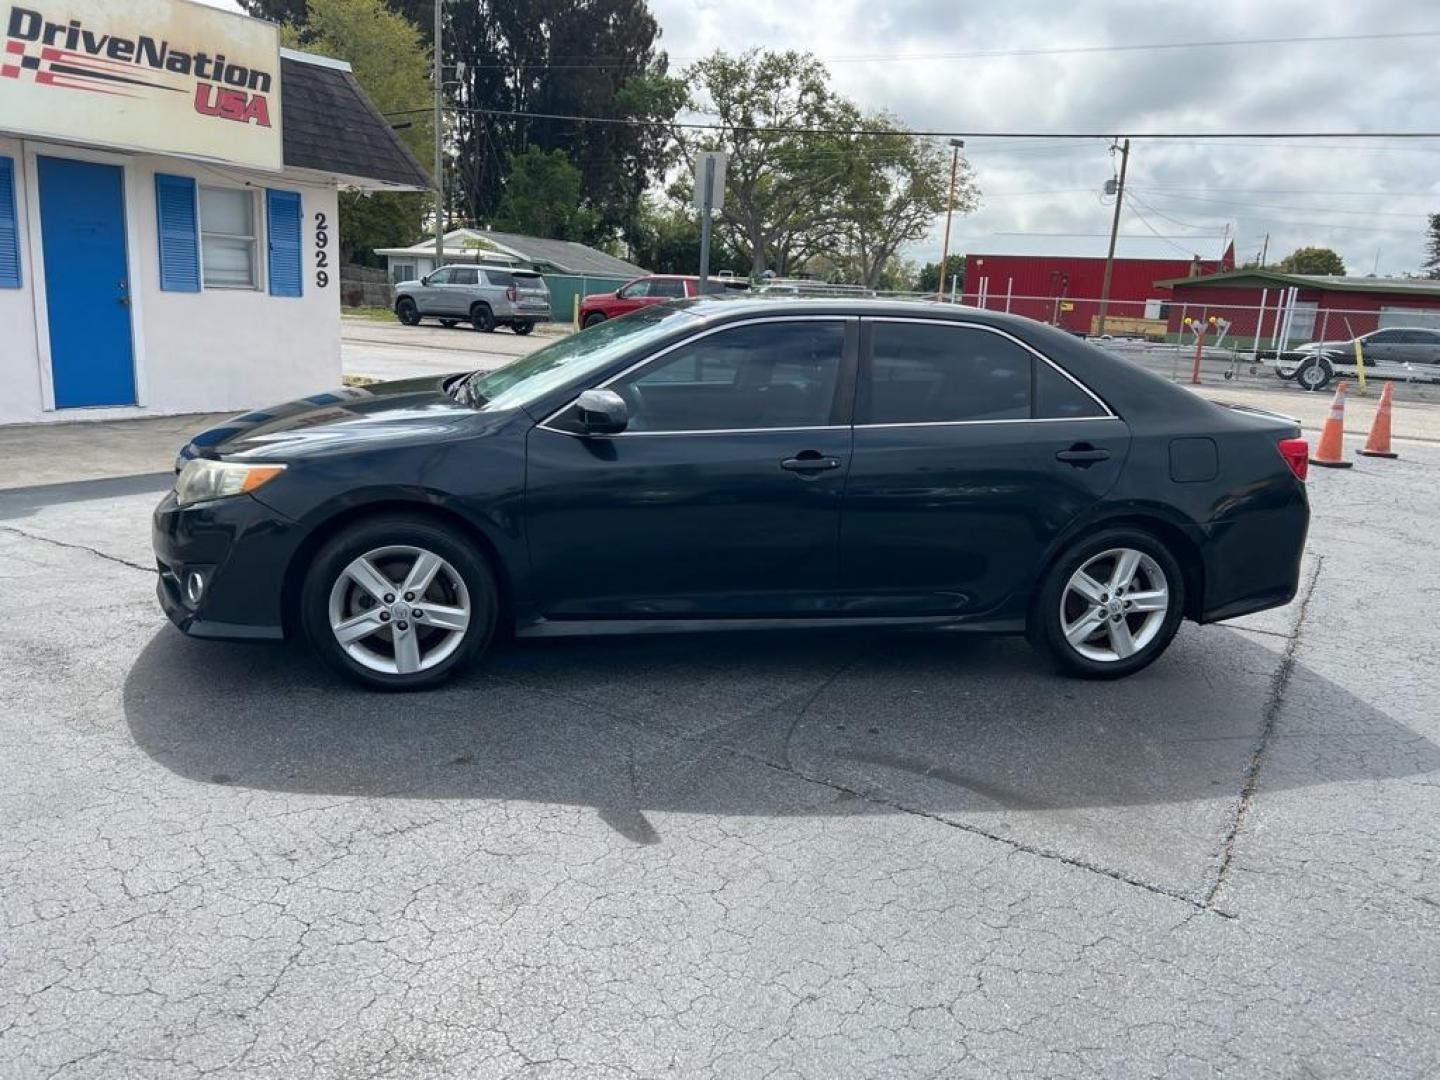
(483, 296)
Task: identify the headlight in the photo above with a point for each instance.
(203, 479)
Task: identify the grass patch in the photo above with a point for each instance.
(378, 314)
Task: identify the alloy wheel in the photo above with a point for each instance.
(399, 609)
(1114, 605)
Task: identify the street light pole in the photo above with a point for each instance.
(439, 137)
(1114, 231)
(956, 145)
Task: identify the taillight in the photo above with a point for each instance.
(512, 294)
(1296, 453)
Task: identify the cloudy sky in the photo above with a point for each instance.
(1366, 199)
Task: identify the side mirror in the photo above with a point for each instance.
(602, 412)
(425, 280)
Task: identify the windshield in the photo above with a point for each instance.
(533, 376)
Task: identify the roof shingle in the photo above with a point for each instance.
(329, 124)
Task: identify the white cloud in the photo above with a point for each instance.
(1359, 199)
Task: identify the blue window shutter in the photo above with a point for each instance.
(9, 228)
(282, 227)
(179, 233)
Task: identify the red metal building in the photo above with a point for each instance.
(1064, 290)
(1300, 307)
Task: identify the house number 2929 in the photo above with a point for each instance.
(322, 257)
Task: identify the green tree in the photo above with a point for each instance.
(929, 280)
(388, 58)
(893, 187)
(669, 242)
(781, 186)
(542, 59)
(542, 197)
(1312, 260)
(1432, 248)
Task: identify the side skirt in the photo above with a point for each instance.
(553, 628)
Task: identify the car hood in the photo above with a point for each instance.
(338, 421)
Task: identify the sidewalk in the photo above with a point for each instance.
(36, 454)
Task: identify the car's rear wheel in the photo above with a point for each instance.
(407, 312)
(522, 328)
(398, 604)
(482, 318)
(592, 319)
(1314, 374)
(1109, 605)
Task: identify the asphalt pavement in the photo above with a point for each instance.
(836, 855)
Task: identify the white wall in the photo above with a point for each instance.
(217, 350)
(19, 374)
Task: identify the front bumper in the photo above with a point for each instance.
(240, 548)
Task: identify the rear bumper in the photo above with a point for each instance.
(240, 548)
(1253, 562)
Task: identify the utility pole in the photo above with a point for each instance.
(956, 145)
(1114, 232)
(1264, 250)
(439, 138)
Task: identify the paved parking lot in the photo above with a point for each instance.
(853, 854)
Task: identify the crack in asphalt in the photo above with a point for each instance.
(76, 547)
(1279, 683)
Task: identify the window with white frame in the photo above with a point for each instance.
(402, 271)
(228, 238)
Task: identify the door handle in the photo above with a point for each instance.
(1082, 455)
(809, 461)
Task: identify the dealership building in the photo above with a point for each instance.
(168, 190)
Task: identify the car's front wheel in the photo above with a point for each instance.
(398, 604)
(1109, 605)
(407, 312)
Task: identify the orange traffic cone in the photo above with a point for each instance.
(1378, 445)
(1329, 453)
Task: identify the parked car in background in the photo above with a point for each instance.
(483, 296)
(732, 463)
(648, 290)
(1409, 353)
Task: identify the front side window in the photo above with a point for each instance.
(635, 290)
(1383, 337)
(228, 238)
(463, 276)
(928, 373)
(441, 277)
(765, 375)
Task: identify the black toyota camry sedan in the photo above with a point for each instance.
(739, 463)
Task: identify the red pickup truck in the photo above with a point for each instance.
(652, 289)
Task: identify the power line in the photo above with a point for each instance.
(994, 54)
(781, 129)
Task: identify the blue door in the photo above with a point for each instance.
(87, 283)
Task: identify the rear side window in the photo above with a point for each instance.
(926, 373)
(464, 277)
(500, 277)
(1058, 398)
(667, 288)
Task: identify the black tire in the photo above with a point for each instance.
(407, 312)
(1045, 626)
(522, 328)
(448, 323)
(369, 535)
(593, 319)
(482, 318)
(1314, 374)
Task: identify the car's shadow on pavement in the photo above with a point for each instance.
(770, 724)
